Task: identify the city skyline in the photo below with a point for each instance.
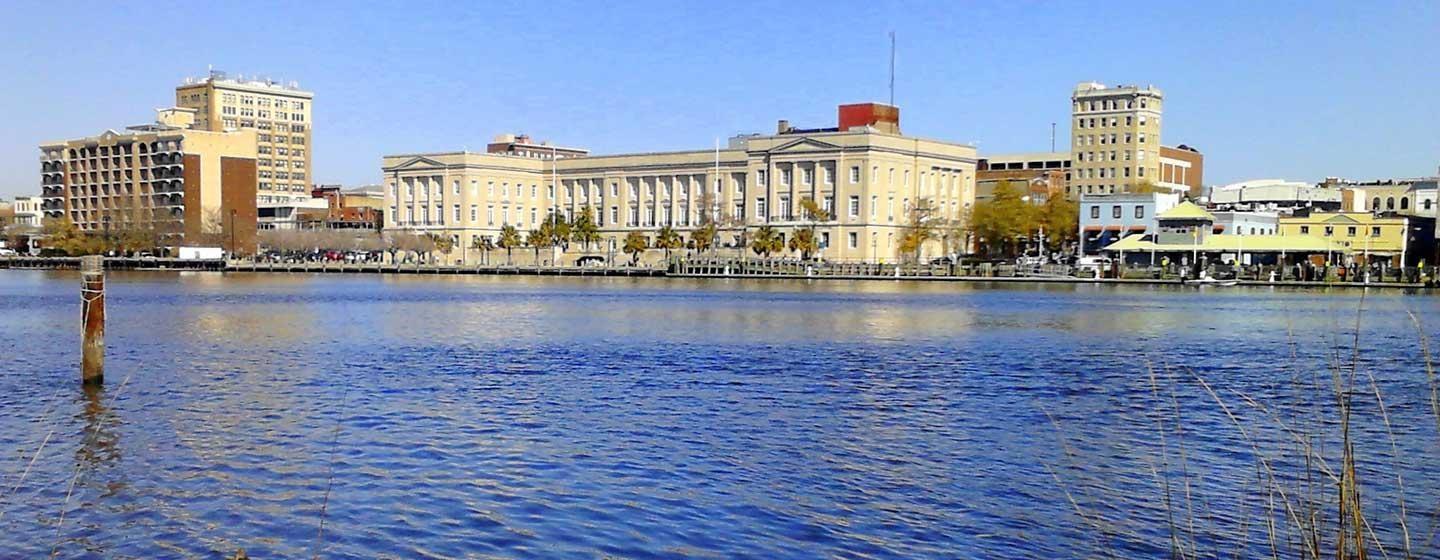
(1250, 86)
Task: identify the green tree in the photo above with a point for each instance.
(635, 244)
(997, 223)
(668, 239)
(1060, 217)
(804, 242)
(766, 241)
(584, 231)
(559, 230)
(509, 240)
(703, 238)
(442, 243)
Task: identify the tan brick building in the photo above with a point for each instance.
(280, 114)
(868, 179)
(188, 186)
(1115, 137)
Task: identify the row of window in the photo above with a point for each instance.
(1350, 231)
(264, 101)
(1111, 104)
(281, 138)
(1107, 172)
(1089, 122)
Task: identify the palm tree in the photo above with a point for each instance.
(483, 244)
(804, 242)
(584, 231)
(536, 239)
(667, 239)
(766, 241)
(635, 244)
(509, 240)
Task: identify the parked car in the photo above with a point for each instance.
(590, 260)
(1100, 265)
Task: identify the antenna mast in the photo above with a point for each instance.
(892, 68)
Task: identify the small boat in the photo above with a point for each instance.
(1207, 281)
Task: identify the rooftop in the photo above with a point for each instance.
(255, 82)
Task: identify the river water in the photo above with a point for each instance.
(479, 417)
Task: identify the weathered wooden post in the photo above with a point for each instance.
(92, 309)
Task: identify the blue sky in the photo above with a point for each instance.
(1297, 90)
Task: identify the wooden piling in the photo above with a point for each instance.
(92, 308)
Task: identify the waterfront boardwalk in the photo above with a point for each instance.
(680, 268)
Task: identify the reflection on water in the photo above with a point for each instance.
(545, 417)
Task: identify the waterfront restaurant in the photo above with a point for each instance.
(1186, 233)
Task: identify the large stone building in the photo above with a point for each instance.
(185, 184)
(280, 114)
(868, 179)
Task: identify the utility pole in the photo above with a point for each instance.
(892, 68)
(1052, 137)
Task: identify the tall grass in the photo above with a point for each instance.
(1307, 496)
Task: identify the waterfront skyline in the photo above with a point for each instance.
(1257, 88)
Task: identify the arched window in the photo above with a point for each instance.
(1390, 203)
(1404, 203)
(1375, 204)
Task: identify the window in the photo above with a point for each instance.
(455, 189)
(1095, 212)
(1304, 230)
(875, 174)
(785, 176)
(614, 213)
(827, 176)
(1390, 203)
(1375, 231)
(828, 205)
(1350, 231)
(1404, 204)
(760, 177)
(1115, 211)
(457, 213)
(874, 203)
(1375, 203)
(1329, 231)
(807, 175)
(760, 208)
(824, 240)
(854, 240)
(1142, 137)
(1139, 212)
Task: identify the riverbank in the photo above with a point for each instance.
(680, 270)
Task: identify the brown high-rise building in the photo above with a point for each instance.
(280, 114)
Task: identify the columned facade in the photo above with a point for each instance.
(869, 182)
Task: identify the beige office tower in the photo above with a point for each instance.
(1115, 138)
(279, 113)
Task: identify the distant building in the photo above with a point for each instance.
(28, 211)
(1042, 173)
(358, 208)
(1182, 166)
(521, 146)
(866, 178)
(1105, 219)
(1246, 223)
(1115, 138)
(1398, 239)
(1411, 197)
(1188, 234)
(180, 182)
(280, 114)
(1275, 195)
